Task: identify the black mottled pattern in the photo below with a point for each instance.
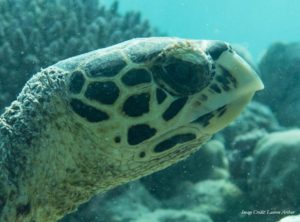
(160, 95)
(204, 97)
(103, 92)
(88, 112)
(225, 83)
(107, 65)
(137, 105)
(142, 154)
(174, 108)
(117, 139)
(76, 82)
(222, 110)
(173, 141)
(216, 49)
(229, 77)
(214, 87)
(204, 120)
(139, 133)
(135, 77)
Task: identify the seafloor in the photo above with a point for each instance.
(249, 172)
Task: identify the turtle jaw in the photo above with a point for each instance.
(218, 119)
(247, 78)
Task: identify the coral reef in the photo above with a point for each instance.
(241, 136)
(35, 34)
(276, 171)
(280, 72)
(220, 199)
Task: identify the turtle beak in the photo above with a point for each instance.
(225, 57)
(232, 88)
(244, 74)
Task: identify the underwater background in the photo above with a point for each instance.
(254, 24)
(249, 171)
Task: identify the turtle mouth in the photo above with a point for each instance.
(217, 119)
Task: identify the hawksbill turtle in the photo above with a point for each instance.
(91, 122)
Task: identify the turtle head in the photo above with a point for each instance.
(147, 103)
(95, 121)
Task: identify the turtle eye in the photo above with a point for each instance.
(181, 72)
(182, 77)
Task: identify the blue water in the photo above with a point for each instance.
(255, 24)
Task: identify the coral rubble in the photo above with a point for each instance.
(241, 136)
(276, 171)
